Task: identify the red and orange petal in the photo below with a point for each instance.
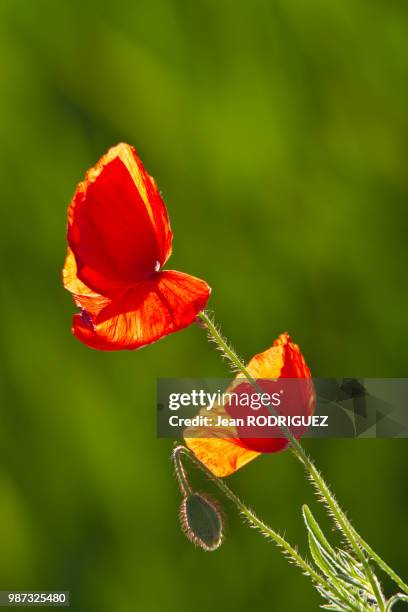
(143, 313)
(118, 227)
(221, 457)
(84, 297)
(226, 453)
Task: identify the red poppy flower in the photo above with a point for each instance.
(225, 452)
(119, 238)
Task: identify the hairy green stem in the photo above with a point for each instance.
(315, 475)
(181, 475)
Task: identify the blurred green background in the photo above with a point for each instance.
(278, 134)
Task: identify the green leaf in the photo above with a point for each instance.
(326, 551)
(313, 527)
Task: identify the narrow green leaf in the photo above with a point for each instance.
(322, 543)
(325, 565)
(313, 526)
(340, 591)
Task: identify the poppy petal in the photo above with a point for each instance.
(222, 452)
(283, 360)
(70, 276)
(144, 313)
(118, 228)
(224, 456)
(184, 296)
(84, 297)
(221, 457)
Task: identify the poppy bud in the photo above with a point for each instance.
(202, 521)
